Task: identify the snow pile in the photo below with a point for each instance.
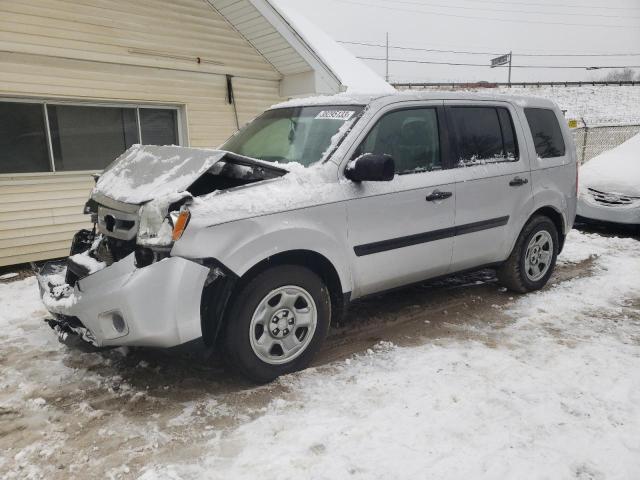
(616, 170)
(87, 261)
(555, 394)
(145, 172)
(352, 72)
(57, 295)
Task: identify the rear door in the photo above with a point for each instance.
(493, 181)
(401, 231)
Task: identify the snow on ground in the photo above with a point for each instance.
(597, 105)
(545, 385)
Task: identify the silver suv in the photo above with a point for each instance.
(257, 246)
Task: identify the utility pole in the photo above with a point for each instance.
(510, 58)
(387, 60)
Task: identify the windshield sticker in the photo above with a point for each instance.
(335, 115)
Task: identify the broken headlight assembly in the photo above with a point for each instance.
(160, 226)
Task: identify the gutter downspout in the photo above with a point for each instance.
(231, 99)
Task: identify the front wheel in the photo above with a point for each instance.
(277, 323)
(533, 258)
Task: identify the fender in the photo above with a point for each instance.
(242, 244)
(553, 197)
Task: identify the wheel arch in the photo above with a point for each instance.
(213, 325)
(558, 220)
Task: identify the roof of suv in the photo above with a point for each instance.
(381, 100)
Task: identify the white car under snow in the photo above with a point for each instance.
(610, 185)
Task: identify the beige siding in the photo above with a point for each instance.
(116, 51)
(39, 215)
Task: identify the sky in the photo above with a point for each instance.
(490, 27)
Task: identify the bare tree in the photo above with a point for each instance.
(622, 75)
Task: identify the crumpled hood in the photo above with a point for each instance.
(147, 172)
(614, 171)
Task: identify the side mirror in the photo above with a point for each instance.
(371, 167)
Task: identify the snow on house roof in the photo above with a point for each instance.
(309, 60)
(353, 74)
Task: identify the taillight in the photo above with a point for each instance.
(180, 224)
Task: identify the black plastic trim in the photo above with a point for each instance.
(418, 238)
(217, 292)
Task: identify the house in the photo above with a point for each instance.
(81, 81)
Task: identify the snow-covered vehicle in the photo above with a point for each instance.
(610, 185)
(257, 246)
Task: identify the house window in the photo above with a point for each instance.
(23, 138)
(82, 137)
(159, 126)
(89, 138)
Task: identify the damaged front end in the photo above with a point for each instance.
(120, 285)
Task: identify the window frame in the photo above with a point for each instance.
(44, 102)
(533, 137)
(443, 134)
(454, 133)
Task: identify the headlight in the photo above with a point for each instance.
(158, 226)
(180, 223)
(155, 228)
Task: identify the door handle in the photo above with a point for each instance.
(518, 182)
(438, 195)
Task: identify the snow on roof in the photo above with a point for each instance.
(354, 75)
(409, 95)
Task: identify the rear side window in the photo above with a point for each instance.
(546, 132)
(483, 134)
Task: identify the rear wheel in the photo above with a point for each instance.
(533, 258)
(277, 323)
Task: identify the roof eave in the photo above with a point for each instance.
(325, 79)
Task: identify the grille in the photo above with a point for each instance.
(117, 224)
(611, 199)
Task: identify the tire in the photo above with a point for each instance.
(526, 269)
(277, 323)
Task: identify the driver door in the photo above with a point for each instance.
(401, 231)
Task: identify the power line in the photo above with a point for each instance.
(584, 67)
(501, 10)
(555, 5)
(466, 52)
(397, 47)
(512, 20)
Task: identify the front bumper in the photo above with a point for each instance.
(626, 214)
(154, 306)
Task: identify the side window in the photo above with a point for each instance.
(483, 134)
(546, 132)
(508, 134)
(411, 137)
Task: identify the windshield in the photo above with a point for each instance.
(299, 134)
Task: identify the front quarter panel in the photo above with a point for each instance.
(242, 244)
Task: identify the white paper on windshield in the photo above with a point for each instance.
(335, 115)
